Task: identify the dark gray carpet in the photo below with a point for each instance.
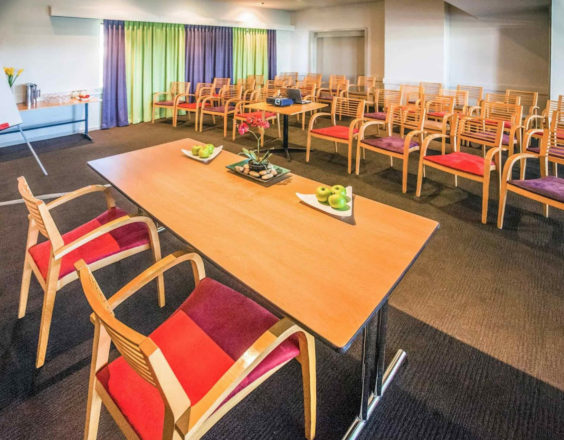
(474, 290)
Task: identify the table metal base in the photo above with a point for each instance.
(285, 146)
(375, 380)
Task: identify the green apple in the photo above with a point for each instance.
(339, 189)
(204, 153)
(210, 147)
(338, 201)
(322, 193)
(196, 149)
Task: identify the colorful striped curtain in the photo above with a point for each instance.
(154, 57)
(250, 53)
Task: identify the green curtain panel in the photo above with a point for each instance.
(154, 57)
(250, 53)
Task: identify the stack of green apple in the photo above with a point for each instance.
(335, 196)
(203, 151)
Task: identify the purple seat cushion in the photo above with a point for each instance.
(376, 115)
(549, 186)
(390, 143)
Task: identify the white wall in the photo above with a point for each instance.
(557, 50)
(369, 16)
(415, 41)
(499, 52)
(63, 54)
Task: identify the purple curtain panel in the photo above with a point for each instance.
(114, 96)
(272, 67)
(209, 53)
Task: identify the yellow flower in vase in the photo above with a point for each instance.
(12, 74)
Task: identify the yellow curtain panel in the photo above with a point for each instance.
(250, 53)
(154, 57)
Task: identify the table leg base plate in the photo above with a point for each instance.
(358, 424)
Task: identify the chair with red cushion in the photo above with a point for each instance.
(213, 351)
(176, 88)
(337, 87)
(110, 237)
(461, 99)
(411, 118)
(439, 112)
(469, 166)
(225, 107)
(549, 190)
(339, 134)
(191, 102)
(242, 113)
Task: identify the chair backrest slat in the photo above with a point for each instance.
(475, 93)
(443, 104)
(32, 203)
(480, 130)
(552, 144)
(350, 107)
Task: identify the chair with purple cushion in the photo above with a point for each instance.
(110, 237)
(469, 166)
(384, 99)
(549, 190)
(410, 118)
(168, 103)
(225, 107)
(213, 351)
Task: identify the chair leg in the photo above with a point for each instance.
(47, 314)
(419, 178)
(93, 409)
(502, 202)
(308, 146)
(391, 161)
(234, 128)
(357, 168)
(336, 147)
(153, 116)
(225, 126)
(404, 173)
(523, 169)
(309, 380)
(349, 157)
(455, 181)
(24, 291)
(278, 125)
(485, 196)
(174, 117)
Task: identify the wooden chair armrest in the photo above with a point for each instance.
(155, 270)
(528, 135)
(157, 94)
(511, 161)
(315, 116)
(226, 104)
(182, 95)
(353, 125)
(474, 108)
(411, 134)
(110, 202)
(364, 126)
(99, 231)
(428, 140)
(253, 356)
(531, 118)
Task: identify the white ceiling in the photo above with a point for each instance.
(295, 5)
(478, 8)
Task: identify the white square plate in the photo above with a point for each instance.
(216, 151)
(311, 200)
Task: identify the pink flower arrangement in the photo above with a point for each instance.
(244, 127)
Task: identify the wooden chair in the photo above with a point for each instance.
(475, 94)
(556, 124)
(195, 367)
(176, 88)
(110, 237)
(410, 94)
(309, 92)
(439, 113)
(191, 102)
(242, 113)
(460, 99)
(468, 166)
(314, 78)
(384, 99)
(259, 80)
(510, 115)
(228, 98)
(217, 86)
(291, 77)
(543, 120)
(393, 146)
(248, 86)
(549, 190)
(430, 89)
(529, 100)
(338, 85)
(339, 134)
(366, 81)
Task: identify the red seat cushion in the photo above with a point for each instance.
(219, 109)
(118, 240)
(390, 143)
(469, 163)
(436, 114)
(191, 105)
(336, 131)
(267, 115)
(506, 124)
(381, 116)
(200, 341)
(167, 103)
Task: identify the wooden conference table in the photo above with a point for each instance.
(290, 110)
(329, 276)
